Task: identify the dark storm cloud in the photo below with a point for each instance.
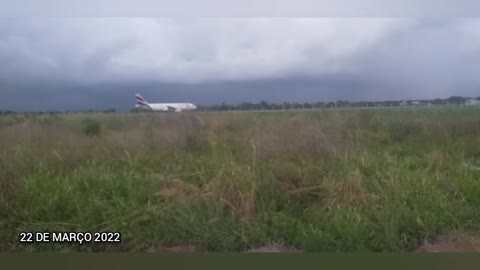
(428, 61)
(75, 64)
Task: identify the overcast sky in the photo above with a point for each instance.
(61, 64)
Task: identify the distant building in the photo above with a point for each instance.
(471, 102)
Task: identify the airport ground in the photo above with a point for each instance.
(383, 179)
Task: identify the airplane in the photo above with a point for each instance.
(165, 107)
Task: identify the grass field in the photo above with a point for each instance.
(330, 180)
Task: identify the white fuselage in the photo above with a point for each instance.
(175, 107)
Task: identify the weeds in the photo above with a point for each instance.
(92, 128)
(332, 180)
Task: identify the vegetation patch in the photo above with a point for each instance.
(326, 180)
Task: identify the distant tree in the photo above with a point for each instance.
(331, 105)
(456, 100)
(264, 105)
(438, 101)
(109, 111)
(245, 106)
(307, 105)
(223, 107)
(342, 103)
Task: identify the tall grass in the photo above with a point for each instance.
(332, 180)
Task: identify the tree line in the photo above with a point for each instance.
(264, 105)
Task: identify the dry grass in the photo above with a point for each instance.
(459, 242)
(333, 180)
(349, 192)
(294, 139)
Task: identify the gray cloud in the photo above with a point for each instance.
(249, 8)
(99, 63)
